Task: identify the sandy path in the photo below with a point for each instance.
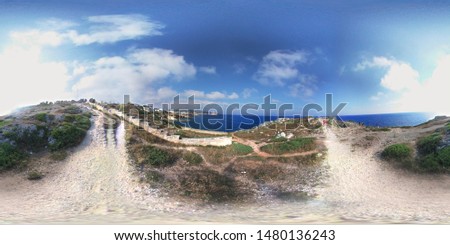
(361, 187)
(95, 181)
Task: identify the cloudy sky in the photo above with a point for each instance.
(377, 55)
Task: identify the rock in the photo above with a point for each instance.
(290, 135)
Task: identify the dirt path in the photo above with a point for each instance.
(362, 187)
(257, 150)
(95, 181)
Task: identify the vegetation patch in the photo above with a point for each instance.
(192, 158)
(378, 129)
(59, 155)
(398, 152)
(429, 144)
(9, 156)
(241, 149)
(156, 157)
(65, 136)
(294, 145)
(207, 185)
(34, 175)
(42, 117)
(4, 123)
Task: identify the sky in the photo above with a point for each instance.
(378, 56)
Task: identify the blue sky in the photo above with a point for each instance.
(380, 56)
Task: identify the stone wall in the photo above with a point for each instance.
(210, 141)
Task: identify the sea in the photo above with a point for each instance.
(231, 123)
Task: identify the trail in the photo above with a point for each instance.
(257, 150)
(361, 187)
(95, 182)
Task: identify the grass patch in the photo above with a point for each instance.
(9, 156)
(295, 145)
(4, 123)
(192, 158)
(34, 175)
(378, 129)
(59, 155)
(207, 185)
(156, 157)
(398, 152)
(241, 149)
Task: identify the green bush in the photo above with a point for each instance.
(66, 135)
(430, 163)
(73, 110)
(241, 149)
(82, 121)
(158, 157)
(444, 156)
(9, 156)
(192, 158)
(27, 138)
(303, 144)
(42, 117)
(4, 123)
(398, 152)
(35, 175)
(429, 144)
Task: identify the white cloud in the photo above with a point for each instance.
(239, 68)
(101, 29)
(233, 96)
(305, 88)
(378, 96)
(410, 94)
(138, 74)
(26, 79)
(37, 38)
(248, 92)
(207, 69)
(214, 95)
(400, 76)
(279, 66)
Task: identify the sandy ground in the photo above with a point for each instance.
(93, 183)
(96, 184)
(362, 187)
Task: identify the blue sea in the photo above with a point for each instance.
(231, 123)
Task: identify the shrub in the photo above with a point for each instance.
(58, 155)
(9, 156)
(192, 158)
(35, 175)
(66, 135)
(81, 121)
(398, 152)
(430, 163)
(4, 123)
(444, 156)
(31, 138)
(298, 144)
(429, 144)
(158, 157)
(42, 117)
(241, 149)
(73, 110)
